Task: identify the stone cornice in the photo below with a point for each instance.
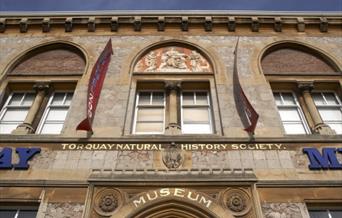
(89, 20)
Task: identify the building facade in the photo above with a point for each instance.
(168, 139)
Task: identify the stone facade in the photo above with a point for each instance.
(266, 175)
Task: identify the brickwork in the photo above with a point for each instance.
(57, 61)
(291, 60)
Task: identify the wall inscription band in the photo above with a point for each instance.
(161, 147)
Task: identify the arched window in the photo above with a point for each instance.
(306, 88)
(173, 91)
(39, 103)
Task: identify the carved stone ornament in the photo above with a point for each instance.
(107, 201)
(172, 157)
(282, 210)
(237, 201)
(172, 59)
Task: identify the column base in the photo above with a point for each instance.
(173, 129)
(23, 129)
(324, 129)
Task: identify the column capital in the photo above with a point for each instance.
(172, 85)
(41, 86)
(305, 85)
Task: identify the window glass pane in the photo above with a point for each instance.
(201, 98)
(144, 98)
(150, 114)
(156, 127)
(188, 98)
(336, 213)
(28, 100)
(158, 98)
(318, 214)
(7, 128)
(27, 214)
(196, 128)
(289, 114)
(336, 126)
(15, 114)
(277, 98)
(16, 99)
(288, 99)
(330, 98)
(294, 128)
(7, 213)
(318, 98)
(58, 99)
(57, 114)
(193, 115)
(329, 114)
(52, 128)
(68, 98)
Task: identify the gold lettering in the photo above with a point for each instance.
(164, 192)
(155, 196)
(179, 192)
(193, 199)
(235, 147)
(205, 202)
(140, 201)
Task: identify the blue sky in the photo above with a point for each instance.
(92, 5)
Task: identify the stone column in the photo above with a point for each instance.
(319, 126)
(173, 127)
(26, 127)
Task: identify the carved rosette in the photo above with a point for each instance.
(107, 201)
(237, 201)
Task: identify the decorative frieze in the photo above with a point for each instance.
(137, 24)
(161, 23)
(300, 24)
(208, 22)
(91, 24)
(172, 59)
(23, 26)
(2, 25)
(185, 24)
(255, 24)
(231, 24)
(277, 24)
(46, 25)
(323, 26)
(68, 24)
(114, 24)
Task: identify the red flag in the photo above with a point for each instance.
(248, 115)
(95, 85)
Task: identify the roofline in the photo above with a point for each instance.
(170, 13)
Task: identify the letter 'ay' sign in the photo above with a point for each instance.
(326, 160)
(24, 154)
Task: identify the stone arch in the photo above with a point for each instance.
(172, 202)
(294, 57)
(52, 58)
(183, 49)
(172, 208)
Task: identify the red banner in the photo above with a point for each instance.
(248, 115)
(95, 85)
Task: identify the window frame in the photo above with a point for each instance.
(25, 206)
(136, 108)
(299, 109)
(5, 106)
(47, 109)
(339, 105)
(208, 106)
